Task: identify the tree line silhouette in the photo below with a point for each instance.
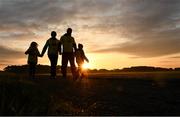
(46, 69)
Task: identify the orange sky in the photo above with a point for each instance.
(115, 34)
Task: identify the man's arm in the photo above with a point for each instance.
(45, 48)
(74, 45)
(60, 44)
(59, 47)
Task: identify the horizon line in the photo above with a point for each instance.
(98, 68)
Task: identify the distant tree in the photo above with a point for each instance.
(46, 69)
(24, 69)
(16, 69)
(103, 70)
(115, 70)
(146, 69)
(93, 70)
(177, 69)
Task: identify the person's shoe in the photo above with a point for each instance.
(64, 77)
(53, 77)
(31, 77)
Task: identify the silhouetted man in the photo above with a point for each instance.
(53, 48)
(68, 48)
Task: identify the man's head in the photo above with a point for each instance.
(53, 34)
(69, 31)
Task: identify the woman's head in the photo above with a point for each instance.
(53, 34)
(34, 44)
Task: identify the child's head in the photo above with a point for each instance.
(33, 44)
(80, 46)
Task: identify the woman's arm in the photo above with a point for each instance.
(45, 48)
(38, 53)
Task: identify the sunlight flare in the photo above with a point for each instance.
(86, 66)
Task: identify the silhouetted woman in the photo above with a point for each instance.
(53, 46)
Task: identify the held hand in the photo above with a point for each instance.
(41, 55)
(26, 53)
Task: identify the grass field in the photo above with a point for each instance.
(125, 93)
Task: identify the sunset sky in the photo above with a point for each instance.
(115, 33)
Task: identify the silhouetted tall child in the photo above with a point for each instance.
(33, 54)
(80, 57)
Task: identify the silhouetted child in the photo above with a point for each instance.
(80, 57)
(33, 54)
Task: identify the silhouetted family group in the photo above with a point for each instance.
(66, 47)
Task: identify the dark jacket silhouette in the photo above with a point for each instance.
(68, 48)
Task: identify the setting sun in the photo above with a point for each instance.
(86, 66)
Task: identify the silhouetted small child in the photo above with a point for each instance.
(33, 54)
(80, 57)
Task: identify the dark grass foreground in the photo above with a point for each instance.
(108, 94)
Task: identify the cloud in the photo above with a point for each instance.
(10, 55)
(150, 28)
(29, 11)
(175, 57)
(32, 16)
(145, 49)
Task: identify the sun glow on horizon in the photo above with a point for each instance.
(86, 66)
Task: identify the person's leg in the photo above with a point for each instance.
(73, 67)
(30, 70)
(33, 70)
(64, 64)
(81, 69)
(54, 64)
(51, 58)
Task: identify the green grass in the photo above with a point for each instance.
(125, 93)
